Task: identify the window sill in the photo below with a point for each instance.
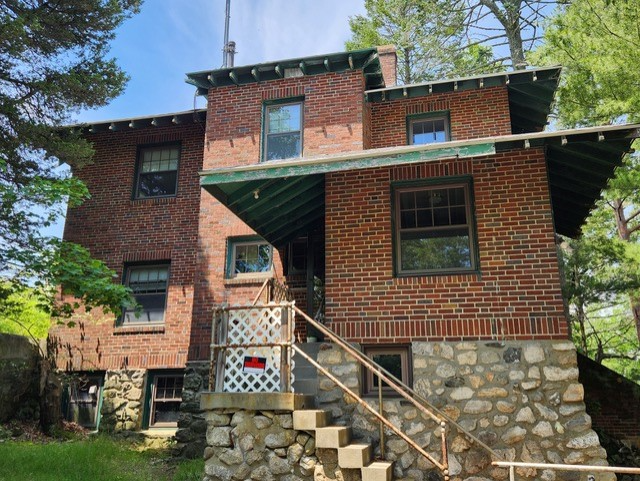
(249, 280)
(431, 277)
(139, 329)
(154, 201)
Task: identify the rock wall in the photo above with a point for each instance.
(523, 399)
(19, 378)
(123, 396)
(258, 445)
(192, 426)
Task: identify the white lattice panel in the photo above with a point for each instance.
(256, 327)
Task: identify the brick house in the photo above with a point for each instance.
(419, 222)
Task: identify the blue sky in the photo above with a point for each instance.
(169, 38)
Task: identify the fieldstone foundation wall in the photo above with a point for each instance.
(257, 445)
(522, 399)
(192, 426)
(123, 396)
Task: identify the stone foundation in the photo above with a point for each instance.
(122, 400)
(192, 426)
(258, 445)
(521, 398)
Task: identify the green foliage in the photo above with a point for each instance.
(426, 33)
(98, 459)
(598, 44)
(21, 312)
(52, 62)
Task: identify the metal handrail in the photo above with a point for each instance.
(396, 384)
(442, 466)
(563, 467)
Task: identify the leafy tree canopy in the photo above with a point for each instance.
(52, 62)
(598, 44)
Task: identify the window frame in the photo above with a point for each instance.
(431, 116)
(267, 105)
(151, 401)
(128, 268)
(434, 184)
(406, 366)
(232, 244)
(138, 169)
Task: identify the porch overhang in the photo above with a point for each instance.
(283, 199)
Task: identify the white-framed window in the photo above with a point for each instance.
(283, 130)
(428, 130)
(149, 286)
(249, 257)
(157, 171)
(434, 229)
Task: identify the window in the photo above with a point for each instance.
(248, 257)
(149, 286)
(157, 172)
(283, 131)
(394, 359)
(428, 130)
(82, 398)
(433, 229)
(298, 256)
(166, 396)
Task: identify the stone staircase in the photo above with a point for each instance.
(350, 455)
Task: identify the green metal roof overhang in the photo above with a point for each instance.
(283, 199)
(366, 60)
(531, 93)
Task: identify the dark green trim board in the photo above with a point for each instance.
(366, 60)
(273, 169)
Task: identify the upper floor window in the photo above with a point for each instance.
(433, 229)
(157, 171)
(428, 130)
(283, 131)
(248, 257)
(149, 287)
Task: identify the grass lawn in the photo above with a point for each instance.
(95, 459)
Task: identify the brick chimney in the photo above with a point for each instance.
(389, 63)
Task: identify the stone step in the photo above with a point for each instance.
(310, 420)
(333, 437)
(377, 471)
(354, 456)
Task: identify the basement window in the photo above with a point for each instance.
(157, 171)
(283, 131)
(82, 398)
(165, 399)
(394, 359)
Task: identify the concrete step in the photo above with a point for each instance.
(354, 456)
(333, 437)
(306, 386)
(377, 471)
(310, 420)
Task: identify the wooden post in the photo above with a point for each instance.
(222, 353)
(285, 338)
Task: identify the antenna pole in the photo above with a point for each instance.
(225, 50)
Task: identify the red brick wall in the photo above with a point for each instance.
(333, 105)
(119, 230)
(332, 117)
(473, 114)
(517, 286)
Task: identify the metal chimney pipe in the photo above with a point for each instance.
(230, 53)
